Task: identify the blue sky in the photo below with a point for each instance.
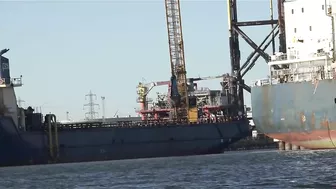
(65, 49)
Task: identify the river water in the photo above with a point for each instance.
(248, 169)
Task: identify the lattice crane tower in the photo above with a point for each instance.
(179, 92)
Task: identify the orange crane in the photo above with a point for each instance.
(185, 108)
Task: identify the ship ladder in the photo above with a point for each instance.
(53, 138)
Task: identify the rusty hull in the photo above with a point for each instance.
(302, 113)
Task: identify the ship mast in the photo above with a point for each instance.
(179, 92)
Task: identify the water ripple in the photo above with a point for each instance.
(259, 169)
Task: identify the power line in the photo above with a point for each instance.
(91, 114)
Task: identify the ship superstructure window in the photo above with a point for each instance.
(294, 30)
(292, 11)
(310, 28)
(302, 9)
(322, 7)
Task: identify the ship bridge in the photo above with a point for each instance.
(310, 35)
(8, 105)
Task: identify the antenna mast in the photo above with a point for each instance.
(92, 113)
(67, 116)
(103, 106)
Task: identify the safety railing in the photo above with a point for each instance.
(147, 123)
(260, 82)
(294, 55)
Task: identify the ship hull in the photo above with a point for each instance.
(97, 144)
(302, 114)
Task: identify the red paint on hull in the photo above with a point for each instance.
(318, 139)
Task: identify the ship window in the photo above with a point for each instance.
(302, 9)
(294, 30)
(310, 28)
(322, 7)
(292, 11)
(335, 100)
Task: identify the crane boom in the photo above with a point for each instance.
(179, 92)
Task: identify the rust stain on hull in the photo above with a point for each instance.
(292, 113)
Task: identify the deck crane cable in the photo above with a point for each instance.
(179, 92)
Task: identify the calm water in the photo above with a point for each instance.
(259, 169)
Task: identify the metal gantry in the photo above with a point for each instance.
(238, 71)
(179, 91)
(144, 88)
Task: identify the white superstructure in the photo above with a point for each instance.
(310, 39)
(308, 29)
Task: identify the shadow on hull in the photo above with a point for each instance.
(100, 144)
